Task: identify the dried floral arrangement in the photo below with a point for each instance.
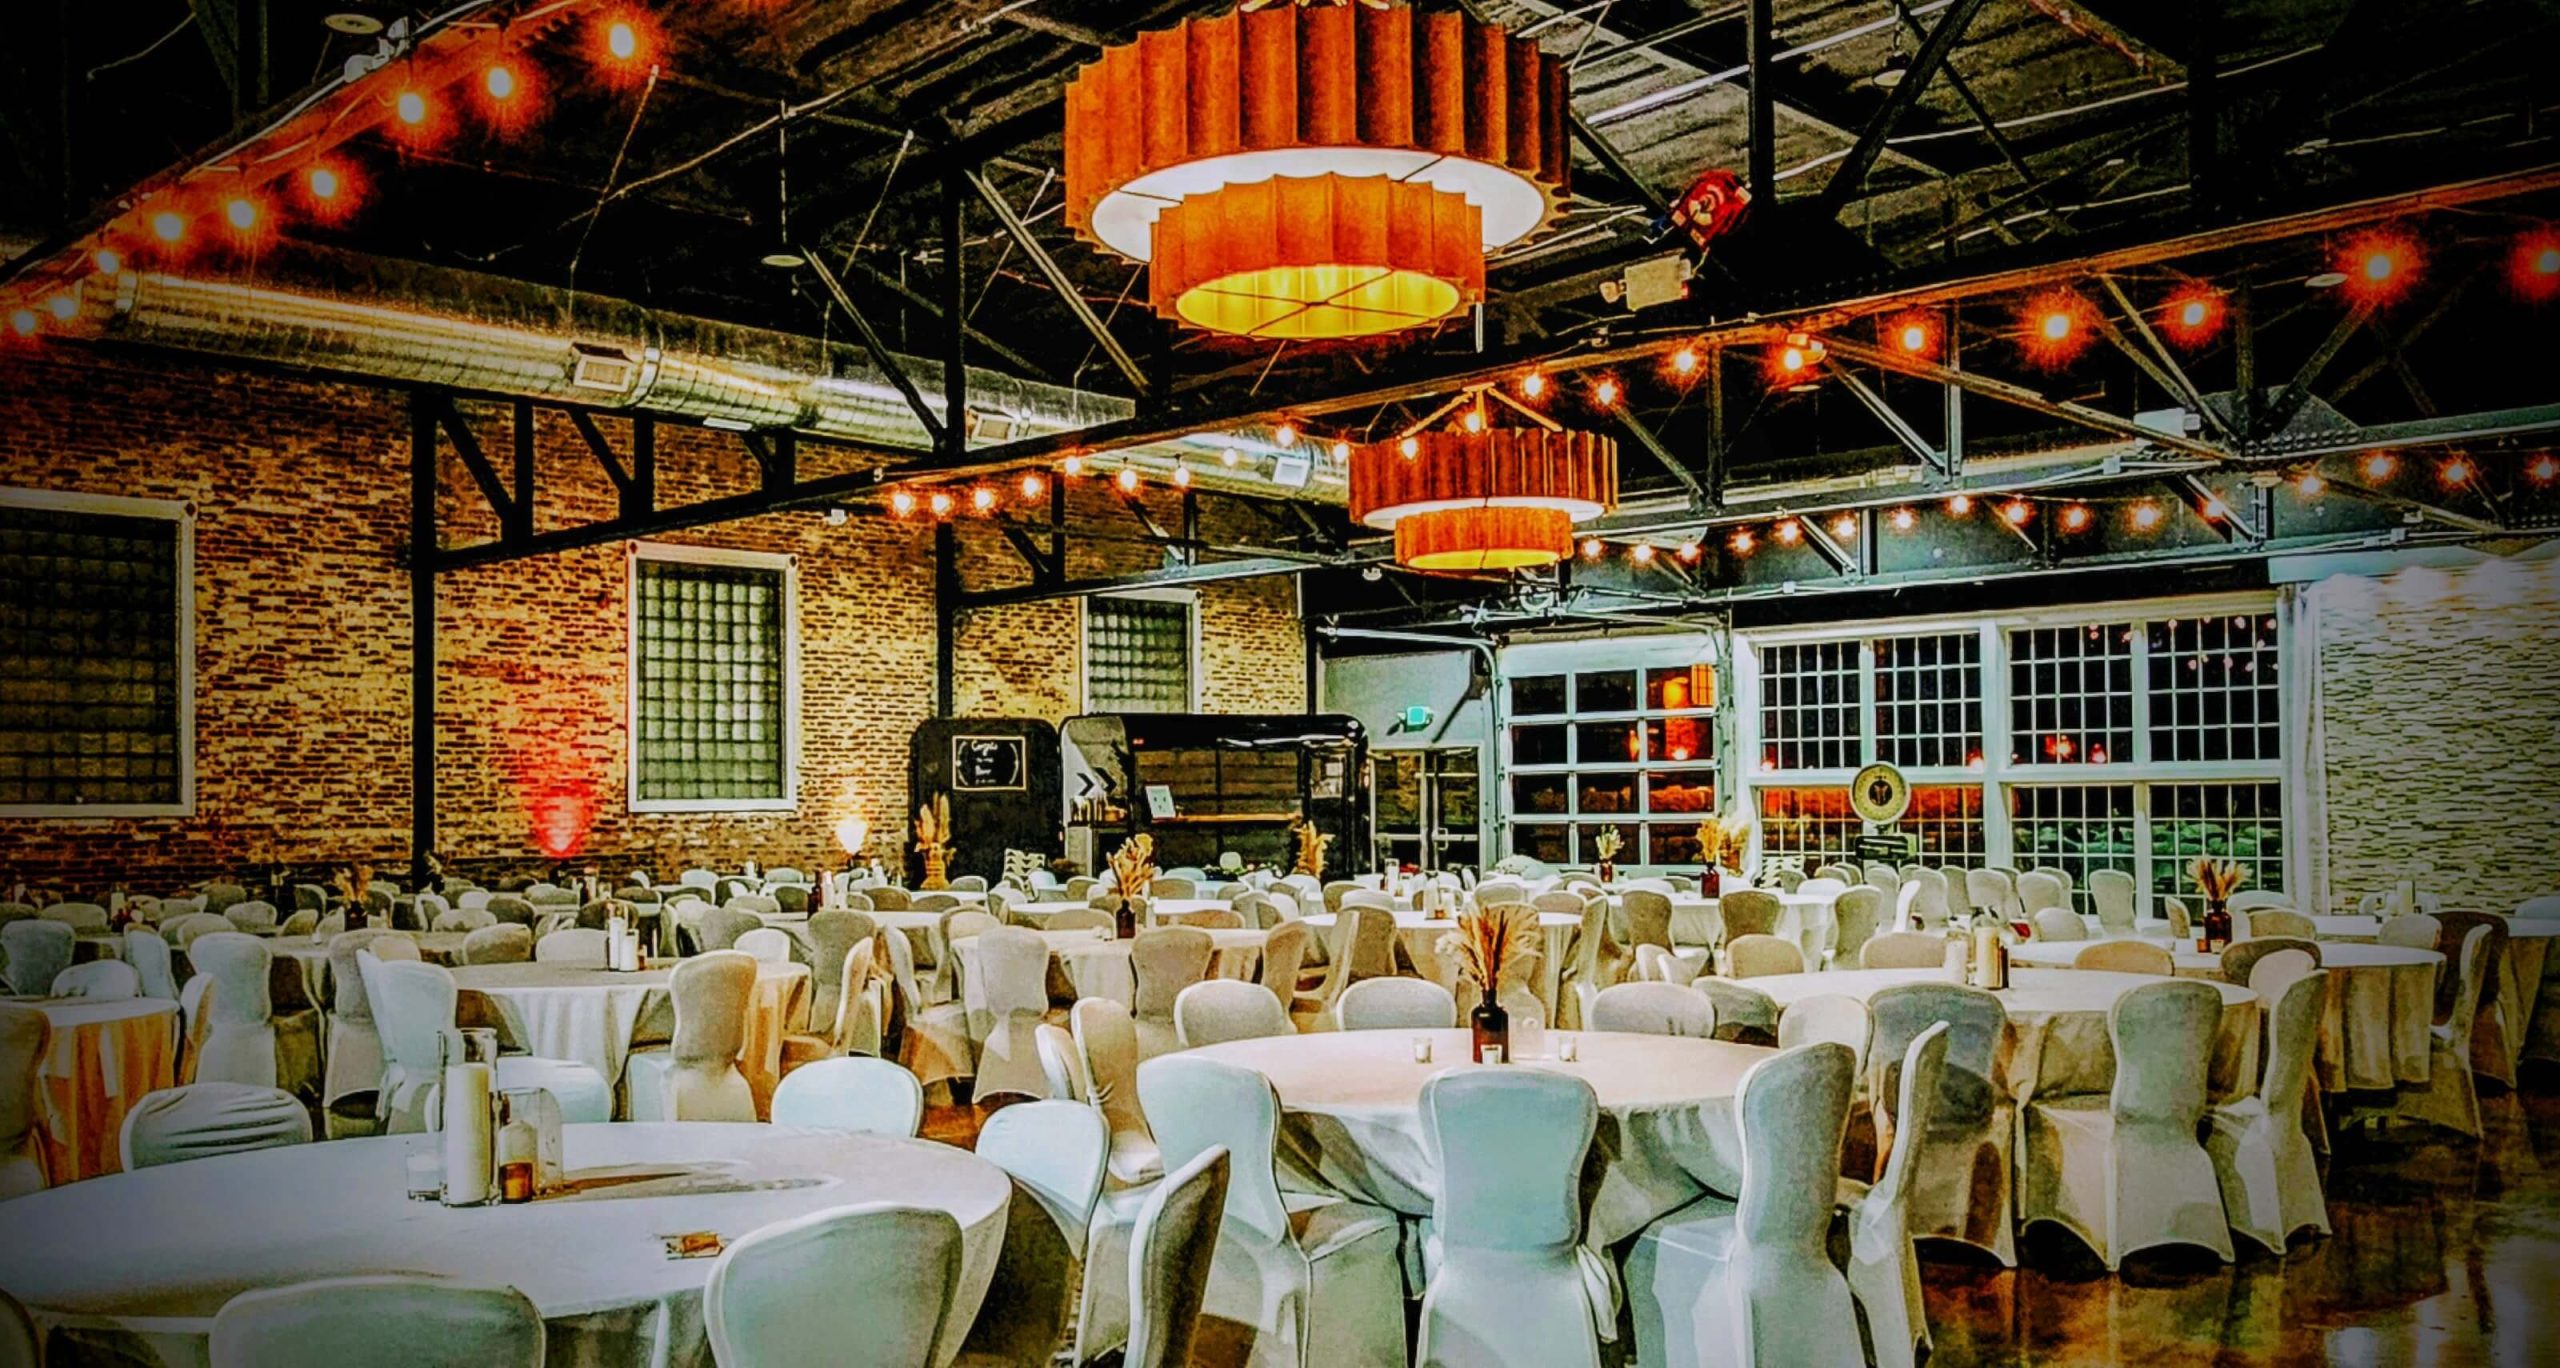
(1607, 844)
(1308, 844)
(1724, 841)
(2217, 879)
(1495, 947)
(1133, 865)
(933, 841)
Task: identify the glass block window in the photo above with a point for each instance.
(712, 719)
(2071, 695)
(1594, 749)
(1809, 702)
(2081, 828)
(90, 642)
(2213, 689)
(1814, 825)
(1929, 699)
(1137, 655)
(2232, 821)
(1947, 820)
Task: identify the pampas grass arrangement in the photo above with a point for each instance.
(1495, 947)
(2217, 879)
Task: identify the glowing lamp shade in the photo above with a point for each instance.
(853, 834)
(1501, 500)
(1456, 129)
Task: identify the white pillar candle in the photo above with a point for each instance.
(467, 1138)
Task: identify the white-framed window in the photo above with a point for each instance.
(1610, 735)
(2131, 737)
(1142, 651)
(715, 680)
(97, 656)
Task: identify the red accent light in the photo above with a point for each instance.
(2194, 315)
(2535, 271)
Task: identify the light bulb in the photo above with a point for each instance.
(1684, 360)
(240, 212)
(1788, 532)
(902, 503)
(1742, 541)
(1914, 338)
(109, 260)
(941, 504)
(2056, 326)
(2075, 518)
(2379, 465)
(2310, 484)
(323, 183)
(1903, 520)
(1845, 526)
(500, 80)
(1474, 421)
(1286, 434)
(1341, 452)
(1033, 485)
(2146, 516)
(1533, 384)
(1127, 479)
(1960, 505)
(1643, 553)
(1072, 466)
(1591, 548)
(622, 40)
(1689, 549)
(1181, 476)
(168, 225)
(23, 322)
(982, 499)
(2017, 511)
(1230, 458)
(1606, 392)
(1409, 448)
(410, 107)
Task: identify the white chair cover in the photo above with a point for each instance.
(341, 1321)
(2273, 920)
(201, 1120)
(2125, 1172)
(1665, 1009)
(1884, 1267)
(574, 947)
(412, 1005)
(1301, 1280)
(2129, 957)
(1743, 1013)
(25, 1034)
(1930, 910)
(82, 916)
(1007, 994)
(1060, 1071)
(1165, 960)
(2058, 924)
(104, 978)
(1395, 1004)
(1989, 890)
(696, 1077)
(1216, 1010)
(1962, 1190)
(1750, 1282)
(1904, 950)
(1512, 1286)
(872, 1096)
(764, 945)
(1756, 956)
(1054, 1152)
(1107, 1048)
(2262, 1158)
(1856, 916)
(2411, 931)
(935, 1043)
(1834, 1017)
(252, 916)
(37, 952)
(236, 1042)
(1171, 1245)
(148, 953)
(868, 1284)
(498, 943)
(2111, 894)
(2449, 1097)
(2039, 892)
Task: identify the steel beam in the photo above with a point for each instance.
(422, 634)
(879, 350)
(1644, 437)
(1761, 142)
(917, 299)
(1206, 572)
(1894, 423)
(954, 445)
(2297, 392)
(2438, 512)
(2232, 525)
(1061, 283)
(947, 605)
(2018, 395)
(2163, 366)
(1852, 173)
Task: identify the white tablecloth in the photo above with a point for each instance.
(594, 1015)
(1697, 921)
(104, 1055)
(1420, 936)
(311, 955)
(2057, 1042)
(1351, 1119)
(1091, 963)
(156, 1253)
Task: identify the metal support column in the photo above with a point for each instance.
(422, 635)
(946, 614)
(1762, 147)
(955, 435)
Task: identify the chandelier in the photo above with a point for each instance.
(1495, 499)
(1314, 172)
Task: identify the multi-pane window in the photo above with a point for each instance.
(2241, 822)
(2077, 828)
(2213, 688)
(1137, 654)
(711, 721)
(1627, 748)
(1929, 699)
(2071, 695)
(92, 696)
(1809, 706)
(1813, 826)
(1946, 819)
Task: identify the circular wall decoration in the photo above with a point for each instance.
(1880, 794)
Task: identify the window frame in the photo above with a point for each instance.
(671, 553)
(184, 576)
(1189, 598)
(1639, 656)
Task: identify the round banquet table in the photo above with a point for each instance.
(593, 1016)
(1093, 963)
(155, 1254)
(1420, 937)
(1179, 911)
(1048, 907)
(2527, 997)
(2373, 1023)
(1351, 1122)
(310, 955)
(2057, 1042)
(1697, 921)
(105, 1054)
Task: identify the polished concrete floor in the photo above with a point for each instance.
(2446, 1255)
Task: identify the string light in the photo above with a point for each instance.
(2309, 484)
(1904, 520)
(1643, 553)
(1689, 549)
(1032, 485)
(1845, 527)
(902, 503)
(23, 322)
(1286, 434)
(1181, 476)
(500, 81)
(1474, 421)
(1533, 384)
(2457, 471)
(2215, 510)
(1071, 467)
(2076, 517)
(1789, 532)
(1231, 458)
(241, 212)
(2379, 465)
(1742, 541)
(1914, 333)
(2193, 315)
(1606, 392)
(1409, 448)
(169, 226)
(1684, 361)
(2055, 328)
(2379, 265)
(109, 260)
(2146, 516)
(328, 191)
(982, 499)
(63, 307)
(1127, 479)
(1341, 452)
(410, 107)
(2017, 511)
(2535, 270)
(941, 504)
(1591, 548)
(2545, 469)
(1960, 505)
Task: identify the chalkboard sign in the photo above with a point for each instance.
(1891, 846)
(989, 764)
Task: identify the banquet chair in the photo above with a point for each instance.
(2124, 1172)
(1561, 902)
(595, 915)
(1648, 917)
(777, 1297)
(1989, 890)
(2256, 899)
(1834, 1017)
(1284, 950)
(1759, 956)
(1053, 1152)
(351, 1079)
(870, 1096)
(1883, 878)
(301, 923)
(149, 956)
(789, 898)
(573, 948)
(1010, 992)
(1594, 963)
(1749, 1281)
(1657, 965)
(1299, 1281)
(2111, 896)
(2058, 924)
(219, 895)
(413, 1004)
(2272, 974)
(1855, 918)
(202, 1120)
(1838, 872)
(1165, 961)
(933, 902)
(1884, 1263)
(507, 907)
(1663, 1009)
(499, 943)
(252, 916)
(463, 921)
(1107, 1050)
(1364, 948)
(2240, 958)
(2280, 921)
(857, 1010)
(236, 1039)
(888, 898)
(2039, 892)
(1214, 919)
(102, 979)
(334, 924)
(1395, 1004)
(2449, 1097)
(2262, 1159)
(1168, 887)
(1170, 1261)
(79, 916)
(2181, 926)
(1744, 1014)
(1962, 1190)
(764, 945)
(1258, 910)
(933, 1042)
(25, 1035)
(1749, 912)
(1929, 910)
(473, 899)
(1501, 890)
(2411, 931)
(335, 1322)
(2123, 956)
(1365, 897)
(1059, 1068)
(696, 1077)
(1787, 878)
(1077, 919)
(719, 928)
(2489, 1054)
(1507, 1286)
(1216, 1010)
(37, 952)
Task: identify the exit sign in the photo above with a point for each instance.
(1417, 717)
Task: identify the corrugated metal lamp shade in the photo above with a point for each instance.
(1312, 104)
(1500, 500)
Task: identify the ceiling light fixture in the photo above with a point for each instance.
(1503, 500)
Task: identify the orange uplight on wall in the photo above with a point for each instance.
(1333, 171)
(1500, 500)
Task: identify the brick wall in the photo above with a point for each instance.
(2442, 717)
(300, 491)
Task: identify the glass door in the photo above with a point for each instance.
(1401, 819)
(1453, 792)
